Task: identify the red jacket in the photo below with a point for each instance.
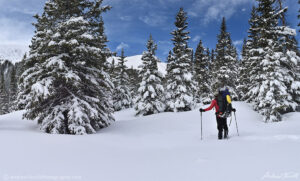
(212, 105)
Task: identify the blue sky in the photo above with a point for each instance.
(130, 22)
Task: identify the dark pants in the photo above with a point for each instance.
(222, 125)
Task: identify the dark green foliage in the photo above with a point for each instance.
(66, 85)
(180, 84)
(202, 77)
(225, 63)
(122, 96)
(150, 99)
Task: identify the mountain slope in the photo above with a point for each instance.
(13, 53)
(135, 61)
(160, 147)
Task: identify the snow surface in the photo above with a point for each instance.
(136, 61)
(13, 52)
(161, 147)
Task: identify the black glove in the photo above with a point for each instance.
(233, 109)
(201, 110)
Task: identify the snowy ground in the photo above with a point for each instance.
(164, 147)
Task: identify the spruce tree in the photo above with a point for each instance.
(151, 98)
(243, 78)
(66, 86)
(13, 89)
(4, 104)
(225, 64)
(202, 77)
(122, 96)
(271, 72)
(134, 80)
(180, 84)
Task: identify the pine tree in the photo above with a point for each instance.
(225, 64)
(270, 77)
(243, 78)
(122, 96)
(151, 98)
(13, 90)
(201, 67)
(4, 106)
(290, 61)
(134, 80)
(180, 84)
(66, 85)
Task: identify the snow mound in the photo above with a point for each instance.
(135, 61)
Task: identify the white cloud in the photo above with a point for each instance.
(244, 9)
(238, 42)
(126, 18)
(15, 32)
(216, 9)
(154, 19)
(121, 46)
(196, 38)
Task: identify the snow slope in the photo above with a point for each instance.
(135, 61)
(163, 147)
(12, 52)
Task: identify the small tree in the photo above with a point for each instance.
(4, 102)
(201, 67)
(13, 88)
(180, 83)
(151, 91)
(122, 96)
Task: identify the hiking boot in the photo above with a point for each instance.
(220, 135)
(225, 134)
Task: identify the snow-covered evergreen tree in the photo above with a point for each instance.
(134, 80)
(13, 90)
(181, 86)
(202, 77)
(225, 65)
(66, 86)
(122, 96)
(151, 91)
(243, 78)
(272, 74)
(4, 102)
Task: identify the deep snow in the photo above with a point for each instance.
(163, 147)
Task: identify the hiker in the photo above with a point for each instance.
(222, 105)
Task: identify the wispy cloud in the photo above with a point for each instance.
(126, 18)
(196, 38)
(154, 19)
(216, 9)
(238, 42)
(15, 32)
(121, 46)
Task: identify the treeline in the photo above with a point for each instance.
(9, 74)
(267, 76)
(69, 87)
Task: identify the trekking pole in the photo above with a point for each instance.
(236, 125)
(230, 119)
(201, 124)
